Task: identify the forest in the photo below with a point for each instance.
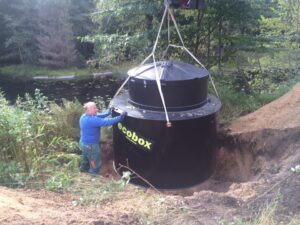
(250, 47)
(239, 34)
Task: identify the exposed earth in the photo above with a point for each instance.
(255, 156)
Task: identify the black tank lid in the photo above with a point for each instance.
(170, 70)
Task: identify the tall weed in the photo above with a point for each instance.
(33, 140)
(65, 119)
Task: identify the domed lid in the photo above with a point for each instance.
(168, 71)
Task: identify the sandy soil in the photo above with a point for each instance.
(254, 159)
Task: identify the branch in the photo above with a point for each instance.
(139, 176)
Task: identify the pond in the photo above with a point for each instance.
(70, 88)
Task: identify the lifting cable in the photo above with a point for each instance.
(168, 13)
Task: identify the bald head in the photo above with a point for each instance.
(90, 108)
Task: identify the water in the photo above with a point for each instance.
(82, 89)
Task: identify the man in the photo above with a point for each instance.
(90, 130)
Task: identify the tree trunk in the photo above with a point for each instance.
(297, 19)
(259, 64)
(149, 25)
(208, 46)
(199, 20)
(220, 44)
(21, 56)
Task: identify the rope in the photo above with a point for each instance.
(176, 27)
(160, 91)
(168, 12)
(119, 90)
(194, 57)
(169, 39)
(156, 71)
(185, 49)
(159, 31)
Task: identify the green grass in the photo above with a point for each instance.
(235, 101)
(123, 68)
(236, 104)
(268, 216)
(25, 71)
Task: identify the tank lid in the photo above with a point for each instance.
(168, 70)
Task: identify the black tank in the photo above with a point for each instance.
(168, 157)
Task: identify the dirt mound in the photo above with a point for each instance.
(279, 115)
(42, 207)
(252, 170)
(253, 165)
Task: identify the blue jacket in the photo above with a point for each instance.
(90, 126)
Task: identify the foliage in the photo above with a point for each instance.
(31, 142)
(65, 118)
(296, 169)
(27, 71)
(260, 81)
(19, 31)
(60, 181)
(82, 25)
(266, 217)
(126, 177)
(23, 28)
(97, 190)
(118, 38)
(240, 96)
(12, 174)
(234, 104)
(55, 44)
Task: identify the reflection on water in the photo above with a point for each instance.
(70, 89)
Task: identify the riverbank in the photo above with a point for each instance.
(25, 72)
(239, 92)
(69, 84)
(252, 185)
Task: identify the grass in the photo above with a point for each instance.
(96, 190)
(25, 71)
(268, 216)
(237, 103)
(123, 67)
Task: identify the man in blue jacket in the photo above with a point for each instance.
(90, 132)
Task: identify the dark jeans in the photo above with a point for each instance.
(90, 158)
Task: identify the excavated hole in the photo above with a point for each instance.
(240, 158)
(234, 163)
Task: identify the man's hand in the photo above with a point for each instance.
(111, 108)
(123, 114)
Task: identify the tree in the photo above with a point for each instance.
(55, 43)
(225, 21)
(20, 29)
(82, 25)
(125, 29)
(4, 56)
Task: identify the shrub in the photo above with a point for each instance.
(12, 174)
(59, 182)
(32, 138)
(65, 119)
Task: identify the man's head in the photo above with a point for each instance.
(90, 108)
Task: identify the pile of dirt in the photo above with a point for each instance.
(253, 170)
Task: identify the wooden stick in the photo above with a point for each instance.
(139, 176)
